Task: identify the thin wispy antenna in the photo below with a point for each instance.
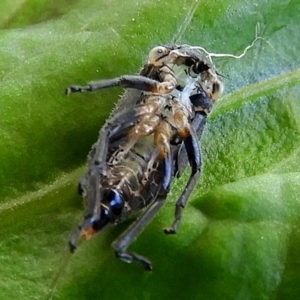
(209, 55)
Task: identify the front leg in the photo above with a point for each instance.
(127, 81)
(190, 57)
(189, 137)
(180, 156)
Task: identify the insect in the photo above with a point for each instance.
(139, 149)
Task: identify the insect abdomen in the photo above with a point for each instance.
(135, 176)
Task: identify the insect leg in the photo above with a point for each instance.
(123, 242)
(128, 81)
(194, 156)
(180, 158)
(162, 138)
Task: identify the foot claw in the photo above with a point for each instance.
(72, 89)
(170, 230)
(77, 89)
(130, 257)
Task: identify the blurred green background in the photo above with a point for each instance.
(240, 235)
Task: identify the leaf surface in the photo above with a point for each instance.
(240, 235)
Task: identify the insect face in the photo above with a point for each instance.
(158, 55)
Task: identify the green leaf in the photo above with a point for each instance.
(239, 237)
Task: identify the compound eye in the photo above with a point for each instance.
(156, 54)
